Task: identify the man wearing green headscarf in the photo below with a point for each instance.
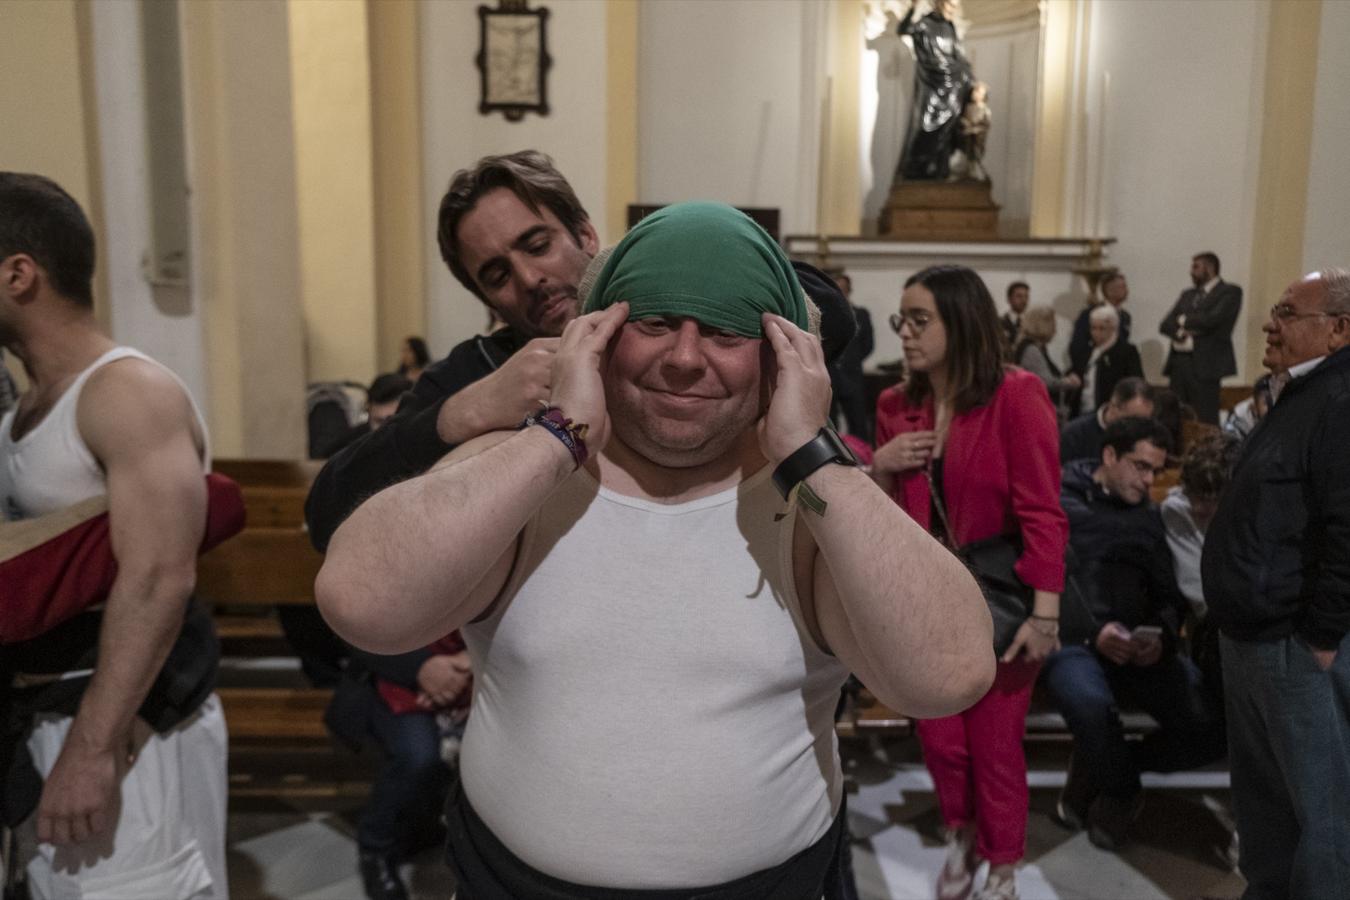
(663, 578)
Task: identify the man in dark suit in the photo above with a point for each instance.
(1081, 438)
(1201, 328)
(1019, 295)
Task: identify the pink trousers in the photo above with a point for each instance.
(978, 767)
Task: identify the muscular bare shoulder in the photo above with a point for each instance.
(131, 405)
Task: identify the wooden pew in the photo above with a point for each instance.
(271, 712)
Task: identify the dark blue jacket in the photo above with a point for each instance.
(1277, 555)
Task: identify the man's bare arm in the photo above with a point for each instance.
(423, 557)
(898, 609)
(139, 424)
(893, 604)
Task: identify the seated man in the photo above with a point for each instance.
(662, 591)
(1081, 438)
(1128, 655)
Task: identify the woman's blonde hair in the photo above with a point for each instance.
(1038, 324)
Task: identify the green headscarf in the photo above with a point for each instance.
(703, 260)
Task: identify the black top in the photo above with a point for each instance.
(406, 445)
(1081, 438)
(1277, 554)
(1124, 566)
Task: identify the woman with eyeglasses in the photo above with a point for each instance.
(969, 447)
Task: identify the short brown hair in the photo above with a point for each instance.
(1208, 464)
(528, 174)
(39, 218)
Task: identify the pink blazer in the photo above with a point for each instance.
(1000, 472)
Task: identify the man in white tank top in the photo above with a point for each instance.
(124, 811)
(658, 634)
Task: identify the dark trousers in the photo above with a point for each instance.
(852, 403)
(1200, 394)
(406, 798)
(1088, 689)
(1289, 732)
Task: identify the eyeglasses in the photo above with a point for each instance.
(918, 320)
(1283, 312)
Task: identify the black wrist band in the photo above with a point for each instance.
(826, 447)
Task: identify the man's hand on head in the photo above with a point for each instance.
(504, 398)
(799, 404)
(578, 389)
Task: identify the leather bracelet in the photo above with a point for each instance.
(823, 449)
(573, 436)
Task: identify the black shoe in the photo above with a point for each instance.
(1071, 810)
(379, 876)
(1110, 818)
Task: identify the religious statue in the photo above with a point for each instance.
(975, 119)
(942, 86)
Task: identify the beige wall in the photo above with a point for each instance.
(243, 176)
(331, 115)
(396, 98)
(45, 104)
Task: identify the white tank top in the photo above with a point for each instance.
(649, 710)
(51, 467)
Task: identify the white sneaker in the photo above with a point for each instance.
(958, 873)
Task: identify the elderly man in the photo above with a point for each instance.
(1200, 327)
(677, 525)
(1276, 570)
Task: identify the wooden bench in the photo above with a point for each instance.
(278, 742)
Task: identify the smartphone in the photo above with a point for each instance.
(1146, 633)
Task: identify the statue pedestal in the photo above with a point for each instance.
(943, 210)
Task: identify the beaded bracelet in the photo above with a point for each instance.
(572, 436)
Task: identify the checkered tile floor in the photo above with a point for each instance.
(307, 851)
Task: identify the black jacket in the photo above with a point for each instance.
(1124, 568)
(1080, 344)
(1121, 361)
(1277, 555)
(408, 443)
(1081, 438)
(1209, 321)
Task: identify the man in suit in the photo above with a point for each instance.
(1200, 326)
(1081, 438)
(1019, 296)
(1115, 290)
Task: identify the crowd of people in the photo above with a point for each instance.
(600, 574)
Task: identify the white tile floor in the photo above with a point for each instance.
(309, 854)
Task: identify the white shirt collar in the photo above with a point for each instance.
(1304, 368)
(1209, 285)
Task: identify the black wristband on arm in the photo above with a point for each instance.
(825, 448)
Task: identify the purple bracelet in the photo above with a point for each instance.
(572, 436)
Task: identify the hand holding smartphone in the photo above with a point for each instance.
(1144, 634)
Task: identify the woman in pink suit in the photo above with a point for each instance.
(982, 437)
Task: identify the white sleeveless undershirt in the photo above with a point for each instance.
(649, 710)
(51, 467)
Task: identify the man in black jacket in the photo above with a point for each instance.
(513, 232)
(1276, 571)
(1081, 438)
(1125, 649)
(1200, 326)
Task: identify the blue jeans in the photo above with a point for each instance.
(406, 798)
(1088, 690)
(1289, 729)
